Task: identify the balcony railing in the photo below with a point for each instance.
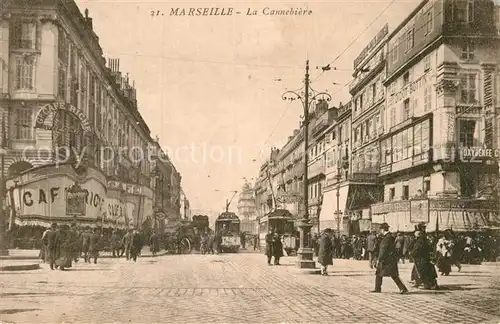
(318, 167)
(362, 177)
(360, 81)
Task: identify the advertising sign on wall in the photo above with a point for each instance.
(419, 210)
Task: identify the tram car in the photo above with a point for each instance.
(228, 226)
(283, 222)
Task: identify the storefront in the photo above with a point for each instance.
(40, 196)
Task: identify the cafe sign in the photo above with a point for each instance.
(53, 108)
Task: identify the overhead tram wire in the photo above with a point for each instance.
(357, 37)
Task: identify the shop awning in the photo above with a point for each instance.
(457, 220)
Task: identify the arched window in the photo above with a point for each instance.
(68, 131)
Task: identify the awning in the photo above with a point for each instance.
(327, 217)
(457, 220)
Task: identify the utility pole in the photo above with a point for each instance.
(3, 150)
(305, 252)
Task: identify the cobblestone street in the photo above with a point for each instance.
(234, 288)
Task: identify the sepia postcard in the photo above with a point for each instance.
(265, 161)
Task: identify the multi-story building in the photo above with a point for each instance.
(264, 198)
(438, 150)
(60, 101)
(246, 203)
(320, 119)
(287, 173)
(334, 209)
(168, 200)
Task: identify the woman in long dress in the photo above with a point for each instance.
(443, 256)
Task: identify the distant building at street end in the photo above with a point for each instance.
(246, 203)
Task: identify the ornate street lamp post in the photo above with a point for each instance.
(305, 252)
(3, 235)
(342, 165)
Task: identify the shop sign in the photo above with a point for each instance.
(46, 198)
(408, 89)
(462, 110)
(480, 153)
(53, 108)
(115, 210)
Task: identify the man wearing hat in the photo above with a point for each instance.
(387, 262)
(325, 251)
(51, 243)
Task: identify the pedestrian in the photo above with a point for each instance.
(210, 243)
(127, 243)
(94, 242)
(255, 242)
(243, 240)
(443, 256)
(74, 241)
(371, 244)
(65, 248)
(85, 241)
(269, 245)
(423, 271)
(400, 242)
(277, 248)
(51, 243)
(43, 253)
(387, 262)
(116, 243)
(136, 245)
(154, 244)
(325, 251)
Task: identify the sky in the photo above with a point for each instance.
(211, 87)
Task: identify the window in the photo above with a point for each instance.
(470, 10)
(409, 39)
(429, 22)
(406, 192)
(406, 110)
(468, 51)
(417, 139)
(406, 78)
(392, 118)
(427, 63)
(467, 132)
(394, 52)
(392, 194)
(468, 88)
(23, 124)
(24, 34)
(62, 86)
(427, 187)
(427, 98)
(361, 102)
(25, 71)
(374, 91)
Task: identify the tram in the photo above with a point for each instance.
(228, 226)
(283, 222)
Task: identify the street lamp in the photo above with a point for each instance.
(341, 165)
(3, 235)
(305, 252)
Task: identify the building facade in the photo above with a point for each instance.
(72, 123)
(440, 145)
(246, 203)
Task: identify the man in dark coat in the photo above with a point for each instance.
(51, 241)
(371, 245)
(85, 242)
(269, 245)
(136, 247)
(95, 240)
(116, 243)
(277, 248)
(154, 243)
(387, 263)
(325, 251)
(423, 271)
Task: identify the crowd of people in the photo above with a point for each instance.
(64, 245)
(384, 250)
(468, 248)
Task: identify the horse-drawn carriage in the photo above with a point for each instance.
(184, 236)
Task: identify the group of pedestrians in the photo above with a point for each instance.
(274, 247)
(385, 251)
(63, 245)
